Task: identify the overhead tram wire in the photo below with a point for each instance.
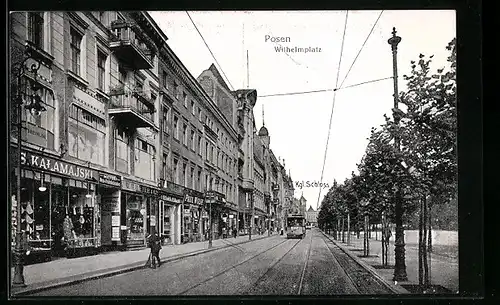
(333, 105)
(361, 49)
(211, 53)
(325, 90)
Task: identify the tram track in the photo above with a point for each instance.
(301, 283)
(363, 281)
(351, 281)
(255, 284)
(232, 267)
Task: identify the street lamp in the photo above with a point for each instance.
(34, 104)
(399, 244)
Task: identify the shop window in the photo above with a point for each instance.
(135, 217)
(78, 226)
(166, 223)
(40, 128)
(86, 135)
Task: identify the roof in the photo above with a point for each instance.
(263, 132)
(310, 209)
(219, 77)
(257, 150)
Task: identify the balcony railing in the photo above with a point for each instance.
(133, 110)
(128, 47)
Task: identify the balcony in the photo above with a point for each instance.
(132, 110)
(127, 47)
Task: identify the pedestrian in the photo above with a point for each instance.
(234, 232)
(154, 242)
(224, 232)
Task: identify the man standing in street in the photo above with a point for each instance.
(154, 242)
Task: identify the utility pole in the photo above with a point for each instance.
(399, 245)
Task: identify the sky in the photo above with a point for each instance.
(299, 124)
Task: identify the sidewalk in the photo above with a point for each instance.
(443, 268)
(66, 271)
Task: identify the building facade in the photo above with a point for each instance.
(130, 142)
(312, 216)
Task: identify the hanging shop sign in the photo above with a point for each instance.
(110, 179)
(215, 197)
(57, 166)
(194, 197)
(170, 199)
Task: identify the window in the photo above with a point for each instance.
(193, 108)
(198, 181)
(185, 175)
(165, 79)
(206, 151)
(176, 90)
(193, 140)
(201, 115)
(192, 181)
(144, 160)
(199, 145)
(165, 121)
(184, 98)
(164, 166)
(121, 150)
(102, 17)
(122, 75)
(139, 83)
(101, 69)
(184, 135)
(86, 135)
(176, 128)
(76, 41)
(35, 28)
(176, 171)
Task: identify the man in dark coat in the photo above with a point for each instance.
(154, 242)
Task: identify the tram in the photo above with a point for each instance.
(295, 226)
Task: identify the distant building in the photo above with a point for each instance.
(312, 216)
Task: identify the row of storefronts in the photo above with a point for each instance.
(73, 210)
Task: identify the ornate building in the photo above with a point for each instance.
(130, 141)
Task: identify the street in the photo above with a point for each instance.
(269, 266)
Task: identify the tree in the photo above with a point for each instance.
(428, 138)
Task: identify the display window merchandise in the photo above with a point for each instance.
(135, 218)
(57, 215)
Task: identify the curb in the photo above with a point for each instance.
(394, 288)
(76, 279)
